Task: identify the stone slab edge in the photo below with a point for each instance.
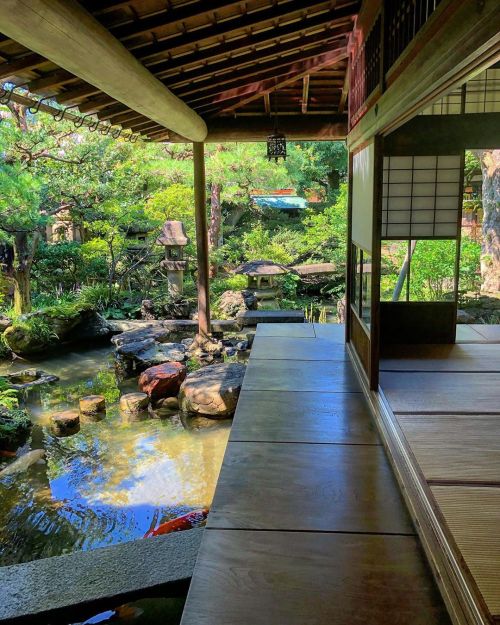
(52, 586)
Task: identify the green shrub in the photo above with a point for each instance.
(9, 397)
(15, 425)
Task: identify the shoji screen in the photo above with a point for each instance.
(421, 197)
(362, 197)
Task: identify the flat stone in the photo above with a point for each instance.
(154, 333)
(212, 390)
(81, 583)
(148, 353)
(134, 402)
(29, 378)
(254, 317)
(65, 423)
(92, 404)
(163, 380)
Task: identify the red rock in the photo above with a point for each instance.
(163, 380)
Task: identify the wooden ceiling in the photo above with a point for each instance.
(251, 57)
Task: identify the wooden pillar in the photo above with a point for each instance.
(200, 211)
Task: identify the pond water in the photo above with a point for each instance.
(111, 482)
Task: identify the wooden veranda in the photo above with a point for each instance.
(409, 84)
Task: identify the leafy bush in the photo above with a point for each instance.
(14, 427)
(9, 397)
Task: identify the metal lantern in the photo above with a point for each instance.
(276, 146)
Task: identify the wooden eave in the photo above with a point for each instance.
(249, 58)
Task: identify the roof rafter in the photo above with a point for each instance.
(282, 67)
(299, 43)
(328, 58)
(21, 64)
(293, 10)
(335, 17)
(170, 17)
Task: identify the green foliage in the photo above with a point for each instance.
(9, 397)
(14, 423)
(433, 269)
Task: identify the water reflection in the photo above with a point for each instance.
(113, 481)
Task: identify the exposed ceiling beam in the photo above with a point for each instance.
(65, 33)
(267, 104)
(50, 82)
(345, 90)
(125, 117)
(25, 63)
(305, 94)
(111, 111)
(252, 56)
(170, 17)
(249, 92)
(292, 11)
(296, 127)
(340, 19)
(78, 93)
(259, 72)
(95, 104)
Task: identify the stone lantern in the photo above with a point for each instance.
(260, 276)
(173, 238)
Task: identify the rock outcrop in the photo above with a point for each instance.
(213, 390)
(163, 380)
(233, 302)
(44, 329)
(141, 355)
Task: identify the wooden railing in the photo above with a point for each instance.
(394, 27)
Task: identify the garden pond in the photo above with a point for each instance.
(111, 482)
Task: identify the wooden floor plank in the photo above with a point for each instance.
(292, 416)
(456, 448)
(289, 375)
(442, 393)
(292, 330)
(333, 331)
(281, 348)
(464, 357)
(290, 578)
(473, 517)
(295, 486)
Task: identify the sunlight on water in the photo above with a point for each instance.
(111, 482)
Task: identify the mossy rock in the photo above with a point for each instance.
(34, 333)
(15, 427)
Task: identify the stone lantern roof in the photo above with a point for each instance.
(255, 268)
(173, 234)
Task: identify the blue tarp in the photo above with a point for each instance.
(280, 202)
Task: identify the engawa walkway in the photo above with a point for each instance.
(307, 525)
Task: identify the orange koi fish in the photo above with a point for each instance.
(4, 453)
(185, 522)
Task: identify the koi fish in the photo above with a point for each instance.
(24, 462)
(185, 522)
(122, 613)
(4, 453)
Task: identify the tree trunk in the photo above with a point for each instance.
(490, 252)
(215, 223)
(23, 259)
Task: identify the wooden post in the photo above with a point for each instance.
(200, 212)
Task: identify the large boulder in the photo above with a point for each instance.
(163, 380)
(212, 390)
(38, 331)
(148, 353)
(233, 302)
(157, 333)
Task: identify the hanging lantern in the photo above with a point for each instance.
(276, 146)
(276, 142)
